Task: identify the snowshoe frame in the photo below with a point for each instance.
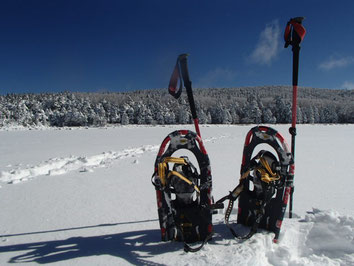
(185, 139)
(275, 209)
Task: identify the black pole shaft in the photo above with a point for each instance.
(188, 84)
(296, 52)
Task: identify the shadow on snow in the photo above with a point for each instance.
(135, 247)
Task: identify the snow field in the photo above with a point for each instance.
(84, 197)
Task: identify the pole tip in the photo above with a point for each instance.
(298, 19)
(182, 56)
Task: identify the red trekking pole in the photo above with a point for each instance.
(294, 34)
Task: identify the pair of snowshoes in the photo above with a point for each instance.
(184, 192)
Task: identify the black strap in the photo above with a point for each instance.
(188, 248)
(233, 195)
(175, 77)
(232, 198)
(254, 227)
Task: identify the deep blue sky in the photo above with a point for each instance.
(84, 45)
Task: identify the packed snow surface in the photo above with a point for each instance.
(83, 196)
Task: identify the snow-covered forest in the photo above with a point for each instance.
(248, 105)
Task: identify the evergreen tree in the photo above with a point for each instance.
(251, 111)
(282, 110)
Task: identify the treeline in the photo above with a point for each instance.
(249, 105)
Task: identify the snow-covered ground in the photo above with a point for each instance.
(84, 197)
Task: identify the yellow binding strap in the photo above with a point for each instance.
(175, 160)
(266, 172)
(184, 179)
(163, 167)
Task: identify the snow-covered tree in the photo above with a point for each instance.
(282, 110)
(268, 104)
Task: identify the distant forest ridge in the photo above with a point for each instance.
(246, 105)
